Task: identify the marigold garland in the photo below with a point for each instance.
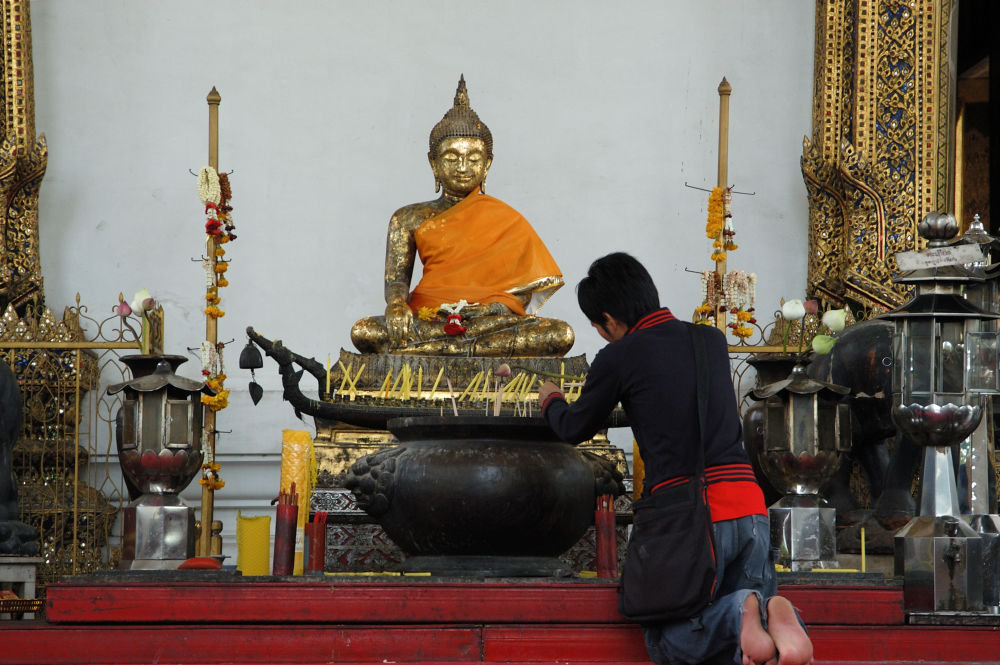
(210, 476)
(215, 194)
(216, 402)
(715, 214)
(426, 314)
(733, 299)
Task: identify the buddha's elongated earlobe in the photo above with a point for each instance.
(437, 185)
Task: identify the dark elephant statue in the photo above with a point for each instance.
(16, 538)
(862, 360)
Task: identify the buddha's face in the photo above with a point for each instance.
(460, 165)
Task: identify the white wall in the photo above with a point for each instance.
(600, 113)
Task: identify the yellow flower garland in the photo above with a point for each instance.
(216, 402)
(210, 476)
(713, 228)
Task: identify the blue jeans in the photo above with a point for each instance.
(743, 566)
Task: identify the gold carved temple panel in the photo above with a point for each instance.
(879, 158)
(23, 159)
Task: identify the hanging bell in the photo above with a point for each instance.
(250, 357)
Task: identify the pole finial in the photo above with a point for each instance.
(724, 87)
(213, 97)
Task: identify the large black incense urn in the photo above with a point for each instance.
(480, 495)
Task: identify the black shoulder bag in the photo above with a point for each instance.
(669, 571)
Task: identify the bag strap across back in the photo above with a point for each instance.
(701, 374)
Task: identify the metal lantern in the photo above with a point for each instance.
(158, 433)
(980, 509)
(944, 362)
(806, 429)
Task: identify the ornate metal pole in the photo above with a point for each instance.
(723, 175)
(212, 335)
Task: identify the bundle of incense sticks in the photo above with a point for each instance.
(289, 498)
(605, 537)
(284, 530)
(316, 543)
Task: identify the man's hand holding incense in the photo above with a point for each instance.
(546, 389)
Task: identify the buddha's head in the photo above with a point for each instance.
(461, 147)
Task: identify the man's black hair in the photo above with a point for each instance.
(619, 285)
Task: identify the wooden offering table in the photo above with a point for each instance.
(220, 617)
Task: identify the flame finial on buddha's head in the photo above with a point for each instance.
(461, 122)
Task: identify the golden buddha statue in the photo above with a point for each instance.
(485, 270)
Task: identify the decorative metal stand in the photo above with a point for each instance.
(806, 428)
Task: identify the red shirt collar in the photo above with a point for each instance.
(652, 319)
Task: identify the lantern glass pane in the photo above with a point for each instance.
(178, 423)
(803, 423)
(775, 437)
(151, 424)
(918, 369)
(981, 361)
(843, 427)
(129, 412)
(951, 357)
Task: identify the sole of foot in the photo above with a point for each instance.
(794, 646)
(756, 644)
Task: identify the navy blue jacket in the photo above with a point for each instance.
(651, 372)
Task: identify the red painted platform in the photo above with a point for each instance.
(369, 621)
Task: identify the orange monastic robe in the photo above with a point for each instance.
(483, 251)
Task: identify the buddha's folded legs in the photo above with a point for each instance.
(495, 336)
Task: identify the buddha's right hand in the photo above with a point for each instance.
(398, 322)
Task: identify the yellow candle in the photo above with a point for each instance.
(404, 388)
(528, 385)
(346, 374)
(354, 383)
(473, 386)
(863, 549)
(420, 381)
(512, 389)
(436, 381)
(396, 383)
(384, 388)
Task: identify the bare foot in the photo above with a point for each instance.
(794, 646)
(756, 644)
